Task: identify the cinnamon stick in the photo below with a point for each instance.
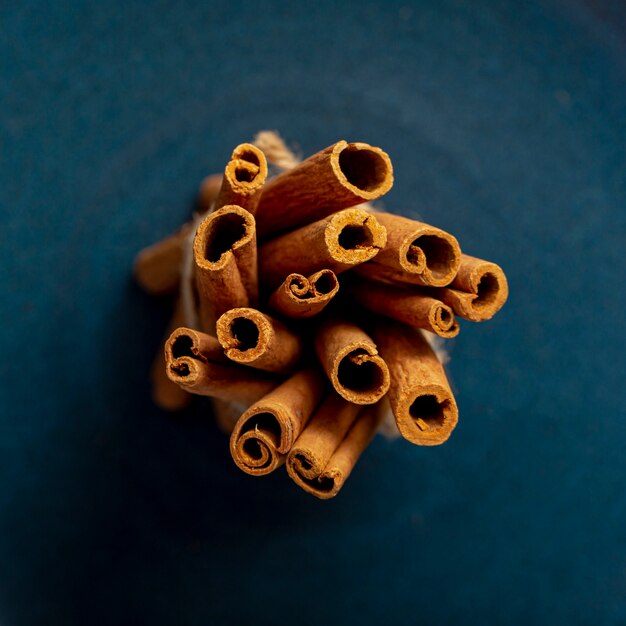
(265, 433)
(192, 361)
(157, 268)
(302, 297)
(406, 305)
(415, 253)
(338, 242)
(351, 361)
(343, 175)
(330, 445)
(244, 177)
(225, 258)
(166, 394)
(253, 338)
(478, 291)
(420, 396)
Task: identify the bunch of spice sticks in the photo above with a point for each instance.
(306, 314)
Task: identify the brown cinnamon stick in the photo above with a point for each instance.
(478, 291)
(265, 433)
(157, 268)
(225, 258)
(415, 253)
(406, 305)
(192, 362)
(341, 176)
(330, 444)
(244, 177)
(338, 242)
(166, 394)
(253, 338)
(420, 396)
(351, 361)
(302, 297)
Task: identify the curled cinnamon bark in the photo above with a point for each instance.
(166, 394)
(405, 305)
(478, 291)
(192, 361)
(302, 297)
(415, 253)
(258, 340)
(343, 175)
(330, 444)
(157, 268)
(351, 361)
(225, 257)
(420, 396)
(244, 177)
(338, 242)
(265, 433)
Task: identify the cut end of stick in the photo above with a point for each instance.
(244, 334)
(354, 236)
(491, 289)
(220, 233)
(247, 169)
(431, 415)
(360, 375)
(365, 170)
(434, 254)
(442, 320)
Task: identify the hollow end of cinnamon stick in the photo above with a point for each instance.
(354, 236)
(479, 290)
(351, 361)
(244, 177)
(187, 342)
(302, 297)
(363, 169)
(253, 338)
(223, 231)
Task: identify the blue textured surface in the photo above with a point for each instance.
(506, 125)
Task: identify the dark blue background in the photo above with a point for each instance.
(506, 123)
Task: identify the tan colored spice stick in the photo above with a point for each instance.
(265, 433)
(196, 374)
(330, 445)
(192, 343)
(338, 242)
(301, 297)
(478, 292)
(244, 177)
(225, 263)
(341, 176)
(406, 305)
(351, 361)
(415, 253)
(157, 268)
(166, 394)
(253, 338)
(420, 396)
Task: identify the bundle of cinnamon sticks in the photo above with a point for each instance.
(307, 315)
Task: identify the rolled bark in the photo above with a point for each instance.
(265, 433)
(338, 243)
(406, 305)
(192, 361)
(415, 253)
(330, 445)
(301, 297)
(350, 359)
(420, 396)
(253, 338)
(244, 177)
(478, 291)
(157, 268)
(166, 394)
(225, 257)
(341, 176)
